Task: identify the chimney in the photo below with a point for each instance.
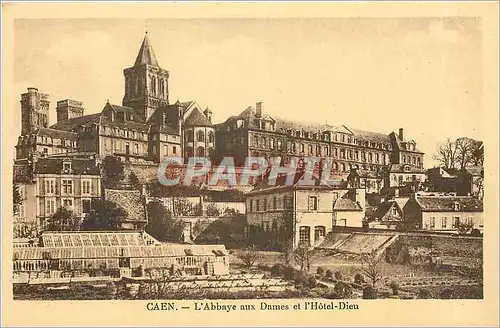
(163, 116)
(401, 134)
(208, 114)
(258, 109)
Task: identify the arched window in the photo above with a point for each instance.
(200, 152)
(190, 136)
(343, 167)
(302, 148)
(336, 166)
(404, 159)
(153, 85)
(294, 147)
(200, 136)
(210, 136)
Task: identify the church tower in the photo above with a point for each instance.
(146, 84)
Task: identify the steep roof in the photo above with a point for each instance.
(69, 125)
(79, 166)
(345, 204)
(54, 133)
(146, 55)
(372, 136)
(197, 118)
(383, 209)
(447, 204)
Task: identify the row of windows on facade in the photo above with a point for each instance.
(305, 234)
(131, 134)
(415, 160)
(165, 150)
(157, 86)
(285, 202)
(51, 207)
(455, 222)
(53, 141)
(200, 136)
(200, 152)
(325, 136)
(123, 146)
(402, 179)
(325, 150)
(67, 187)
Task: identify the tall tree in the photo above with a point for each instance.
(477, 155)
(370, 265)
(446, 154)
(63, 220)
(104, 215)
(113, 171)
(465, 148)
(161, 225)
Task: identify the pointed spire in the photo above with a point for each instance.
(146, 54)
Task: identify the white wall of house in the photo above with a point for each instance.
(446, 220)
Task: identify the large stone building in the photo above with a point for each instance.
(254, 133)
(146, 127)
(52, 183)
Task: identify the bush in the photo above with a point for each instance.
(343, 290)
(424, 293)
(320, 271)
(277, 269)
(338, 275)
(311, 282)
(359, 279)
(328, 273)
(331, 294)
(446, 294)
(395, 287)
(369, 293)
(301, 280)
(289, 273)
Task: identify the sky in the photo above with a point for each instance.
(376, 74)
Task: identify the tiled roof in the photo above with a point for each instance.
(130, 200)
(372, 136)
(79, 166)
(447, 204)
(54, 133)
(197, 118)
(345, 204)
(146, 54)
(69, 125)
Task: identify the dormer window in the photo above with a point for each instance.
(457, 206)
(67, 166)
(406, 168)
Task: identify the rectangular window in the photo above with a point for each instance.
(304, 235)
(136, 149)
(456, 222)
(444, 222)
(313, 203)
(174, 150)
(257, 205)
(432, 221)
(165, 150)
(67, 187)
(265, 204)
(86, 187)
(50, 186)
(50, 207)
